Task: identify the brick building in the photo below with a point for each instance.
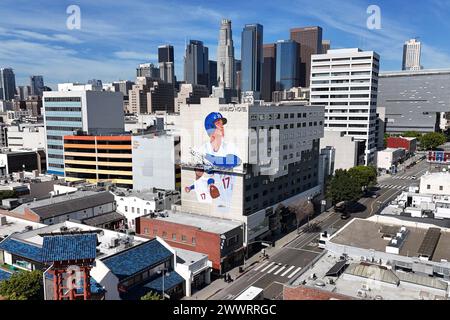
(221, 240)
(409, 144)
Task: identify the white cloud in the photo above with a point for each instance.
(132, 55)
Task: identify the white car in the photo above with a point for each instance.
(413, 177)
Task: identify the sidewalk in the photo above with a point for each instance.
(219, 284)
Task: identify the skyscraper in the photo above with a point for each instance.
(196, 69)
(225, 56)
(252, 57)
(212, 74)
(310, 40)
(287, 65)
(148, 70)
(346, 82)
(411, 55)
(269, 69)
(165, 53)
(37, 85)
(326, 45)
(7, 84)
(166, 63)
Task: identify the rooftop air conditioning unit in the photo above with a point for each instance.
(114, 242)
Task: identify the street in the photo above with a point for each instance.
(287, 262)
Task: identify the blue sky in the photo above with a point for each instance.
(115, 36)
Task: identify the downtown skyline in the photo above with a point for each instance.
(109, 47)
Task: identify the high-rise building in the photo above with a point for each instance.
(310, 40)
(148, 70)
(269, 70)
(287, 65)
(167, 72)
(326, 45)
(23, 92)
(225, 56)
(123, 86)
(7, 84)
(149, 95)
(238, 70)
(165, 53)
(411, 55)
(67, 112)
(346, 82)
(252, 58)
(190, 94)
(250, 180)
(37, 85)
(212, 74)
(196, 68)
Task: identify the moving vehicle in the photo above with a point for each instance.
(345, 216)
(413, 177)
(251, 293)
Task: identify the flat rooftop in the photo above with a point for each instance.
(366, 234)
(148, 195)
(105, 237)
(206, 223)
(14, 225)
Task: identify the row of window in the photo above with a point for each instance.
(65, 109)
(277, 116)
(64, 119)
(55, 128)
(62, 99)
(183, 237)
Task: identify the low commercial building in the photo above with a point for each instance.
(77, 206)
(382, 258)
(30, 136)
(21, 160)
(126, 267)
(430, 200)
(406, 143)
(221, 240)
(29, 184)
(133, 204)
(99, 158)
(389, 158)
(348, 151)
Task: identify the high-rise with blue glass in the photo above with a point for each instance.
(196, 63)
(252, 58)
(66, 112)
(287, 60)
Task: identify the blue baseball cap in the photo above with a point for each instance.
(210, 121)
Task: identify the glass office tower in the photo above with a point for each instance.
(287, 65)
(252, 57)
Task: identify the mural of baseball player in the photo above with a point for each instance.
(218, 157)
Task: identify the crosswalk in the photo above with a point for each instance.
(392, 186)
(278, 269)
(403, 177)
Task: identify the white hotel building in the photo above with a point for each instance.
(346, 82)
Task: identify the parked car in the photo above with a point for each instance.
(345, 216)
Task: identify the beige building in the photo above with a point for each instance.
(190, 94)
(149, 95)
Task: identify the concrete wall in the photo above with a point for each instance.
(104, 112)
(346, 149)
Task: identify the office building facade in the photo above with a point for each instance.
(411, 55)
(93, 112)
(257, 175)
(212, 74)
(286, 75)
(225, 56)
(149, 95)
(7, 84)
(147, 70)
(269, 70)
(310, 40)
(252, 58)
(36, 85)
(346, 82)
(196, 68)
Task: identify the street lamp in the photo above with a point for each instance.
(164, 272)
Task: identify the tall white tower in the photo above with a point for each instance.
(225, 56)
(411, 55)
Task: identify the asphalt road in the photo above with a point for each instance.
(286, 263)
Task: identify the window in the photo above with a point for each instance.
(174, 236)
(145, 230)
(138, 210)
(126, 208)
(428, 187)
(155, 232)
(194, 241)
(441, 188)
(183, 238)
(132, 209)
(164, 234)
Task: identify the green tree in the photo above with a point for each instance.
(342, 187)
(364, 176)
(151, 296)
(412, 134)
(432, 140)
(5, 194)
(23, 286)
